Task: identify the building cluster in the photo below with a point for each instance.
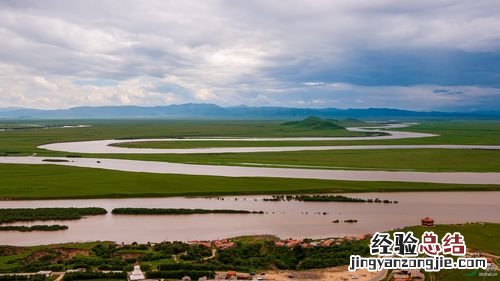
(233, 275)
(218, 244)
(223, 244)
(290, 243)
(230, 275)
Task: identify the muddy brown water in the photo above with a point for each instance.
(284, 219)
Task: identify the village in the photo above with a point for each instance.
(333, 273)
(289, 243)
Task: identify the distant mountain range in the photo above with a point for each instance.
(212, 111)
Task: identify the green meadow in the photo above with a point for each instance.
(433, 160)
(51, 181)
(25, 141)
(449, 132)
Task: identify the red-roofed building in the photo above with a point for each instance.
(293, 243)
(326, 243)
(279, 244)
(427, 221)
(230, 274)
(223, 244)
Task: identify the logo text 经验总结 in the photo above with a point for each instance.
(402, 250)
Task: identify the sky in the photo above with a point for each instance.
(417, 55)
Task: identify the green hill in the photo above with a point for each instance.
(348, 122)
(353, 120)
(314, 123)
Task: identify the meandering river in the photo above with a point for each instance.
(237, 171)
(103, 146)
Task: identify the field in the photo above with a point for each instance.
(47, 181)
(433, 160)
(397, 159)
(24, 142)
(450, 132)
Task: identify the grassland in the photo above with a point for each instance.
(47, 181)
(400, 159)
(25, 142)
(20, 181)
(434, 160)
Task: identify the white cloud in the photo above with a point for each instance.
(314, 83)
(41, 92)
(247, 52)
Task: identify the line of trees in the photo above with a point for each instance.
(325, 198)
(170, 211)
(94, 275)
(22, 228)
(43, 214)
